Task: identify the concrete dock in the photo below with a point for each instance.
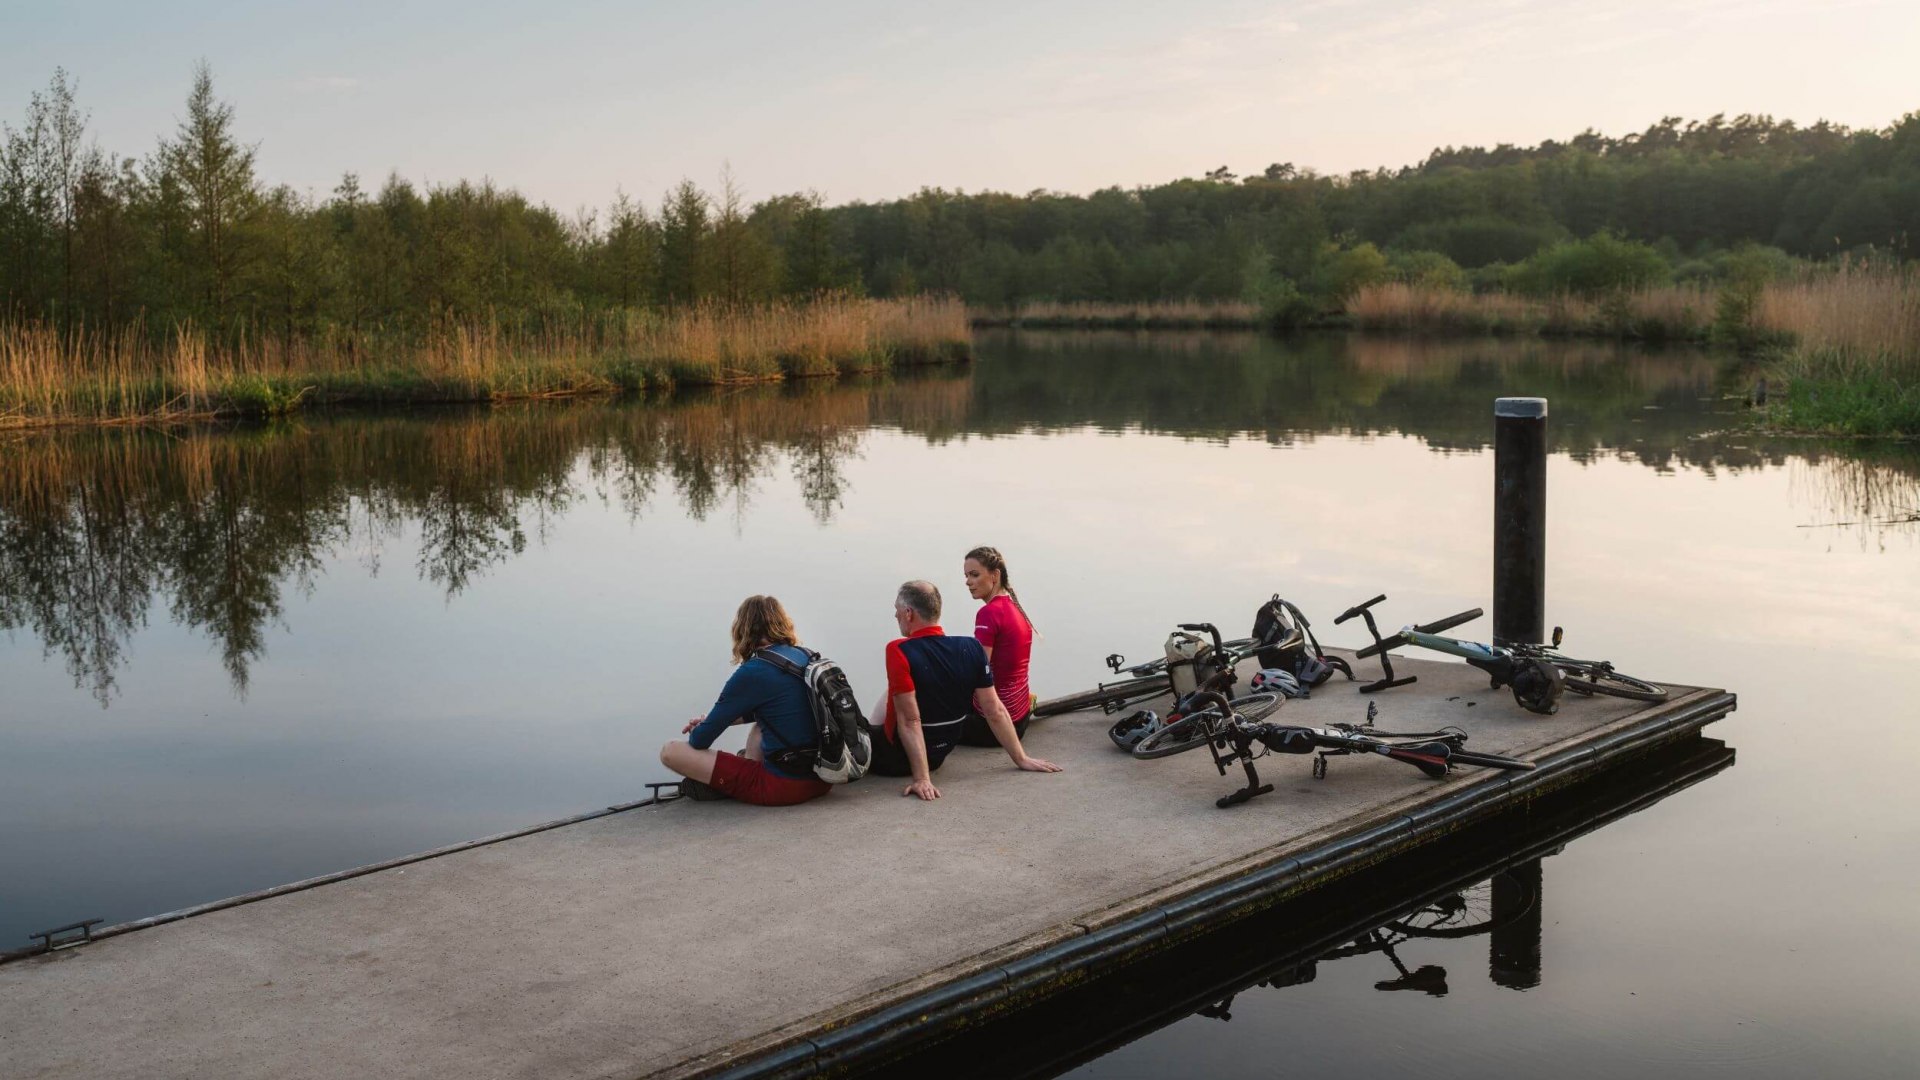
(691, 939)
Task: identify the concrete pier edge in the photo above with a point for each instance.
(891, 1021)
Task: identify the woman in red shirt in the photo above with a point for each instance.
(1003, 629)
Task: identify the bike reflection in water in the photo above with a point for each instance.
(1504, 907)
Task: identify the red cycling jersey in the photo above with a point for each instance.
(1001, 627)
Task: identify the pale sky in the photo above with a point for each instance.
(873, 100)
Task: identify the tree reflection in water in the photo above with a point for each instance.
(95, 526)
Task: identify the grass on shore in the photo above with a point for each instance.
(1854, 365)
(47, 377)
(1664, 313)
(1149, 315)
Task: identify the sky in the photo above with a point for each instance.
(862, 100)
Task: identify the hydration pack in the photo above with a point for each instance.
(1286, 641)
(845, 750)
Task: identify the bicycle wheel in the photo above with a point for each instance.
(1087, 699)
(1490, 761)
(1598, 679)
(1180, 736)
(1253, 707)
(1467, 912)
(1196, 729)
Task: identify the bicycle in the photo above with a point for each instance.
(1538, 674)
(1235, 738)
(1149, 680)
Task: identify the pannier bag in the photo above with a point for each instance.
(1190, 662)
(845, 751)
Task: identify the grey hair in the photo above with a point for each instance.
(922, 598)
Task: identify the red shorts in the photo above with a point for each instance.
(751, 782)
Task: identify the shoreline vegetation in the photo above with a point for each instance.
(1836, 348)
(48, 377)
(181, 281)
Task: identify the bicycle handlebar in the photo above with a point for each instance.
(1197, 627)
(1357, 609)
(1451, 621)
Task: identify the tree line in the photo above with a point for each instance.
(190, 233)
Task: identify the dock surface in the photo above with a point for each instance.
(684, 938)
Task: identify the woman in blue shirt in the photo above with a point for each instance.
(776, 704)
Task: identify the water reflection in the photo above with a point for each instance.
(95, 527)
(1467, 914)
(98, 529)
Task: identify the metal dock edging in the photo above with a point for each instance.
(327, 879)
(894, 1027)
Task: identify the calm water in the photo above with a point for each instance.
(238, 658)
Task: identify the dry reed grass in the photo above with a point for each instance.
(1856, 319)
(1237, 314)
(47, 377)
(1670, 312)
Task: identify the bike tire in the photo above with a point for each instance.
(1473, 915)
(1198, 729)
(1184, 734)
(1582, 679)
(1087, 699)
(1488, 761)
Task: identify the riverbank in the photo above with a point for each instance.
(1146, 315)
(1837, 349)
(50, 378)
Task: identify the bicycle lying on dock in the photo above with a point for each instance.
(1236, 738)
(1282, 637)
(1538, 674)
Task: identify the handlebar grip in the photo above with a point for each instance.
(1211, 630)
(1357, 609)
(1450, 621)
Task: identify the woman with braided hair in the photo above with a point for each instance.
(1003, 629)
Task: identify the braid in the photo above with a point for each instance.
(991, 559)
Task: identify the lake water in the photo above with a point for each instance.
(234, 658)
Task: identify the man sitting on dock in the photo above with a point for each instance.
(934, 682)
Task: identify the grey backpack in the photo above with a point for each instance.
(845, 751)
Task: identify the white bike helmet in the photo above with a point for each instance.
(1275, 680)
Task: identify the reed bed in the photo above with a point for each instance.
(1150, 315)
(1663, 313)
(50, 377)
(1853, 367)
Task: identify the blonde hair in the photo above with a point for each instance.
(990, 558)
(761, 621)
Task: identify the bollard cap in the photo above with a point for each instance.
(1524, 408)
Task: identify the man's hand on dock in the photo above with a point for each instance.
(1034, 764)
(922, 788)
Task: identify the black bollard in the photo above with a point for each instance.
(1519, 520)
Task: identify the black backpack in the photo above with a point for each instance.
(1285, 640)
(845, 750)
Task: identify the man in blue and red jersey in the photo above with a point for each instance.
(934, 682)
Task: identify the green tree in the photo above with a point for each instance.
(684, 244)
(212, 173)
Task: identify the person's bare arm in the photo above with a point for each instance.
(906, 718)
(987, 701)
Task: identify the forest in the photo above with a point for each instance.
(1695, 230)
(190, 231)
